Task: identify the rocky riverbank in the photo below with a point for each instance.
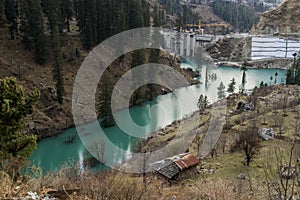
(278, 97)
(279, 63)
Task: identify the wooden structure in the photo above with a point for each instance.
(171, 167)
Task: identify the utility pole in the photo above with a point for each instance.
(286, 48)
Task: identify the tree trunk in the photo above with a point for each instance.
(248, 159)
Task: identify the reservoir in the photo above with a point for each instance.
(52, 153)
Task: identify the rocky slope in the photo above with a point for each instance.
(230, 49)
(283, 20)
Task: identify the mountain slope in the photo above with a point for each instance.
(284, 19)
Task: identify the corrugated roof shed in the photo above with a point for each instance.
(170, 167)
(161, 164)
(187, 161)
(169, 171)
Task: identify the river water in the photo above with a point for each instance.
(54, 152)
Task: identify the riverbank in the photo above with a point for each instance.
(151, 115)
(223, 171)
(276, 63)
(236, 120)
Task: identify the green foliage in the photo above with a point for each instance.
(259, 7)
(98, 20)
(1, 12)
(87, 18)
(58, 72)
(184, 13)
(240, 16)
(293, 73)
(15, 105)
(107, 119)
(138, 58)
(68, 12)
(263, 85)
(244, 69)
(11, 13)
(156, 17)
(231, 86)
(221, 91)
(171, 6)
(32, 27)
(202, 103)
(188, 16)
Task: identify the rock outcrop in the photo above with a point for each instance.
(283, 20)
(230, 49)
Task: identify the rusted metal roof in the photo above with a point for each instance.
(170, 167)
(187, 161)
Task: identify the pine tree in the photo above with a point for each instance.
(138, 58)
(1, 11)
(202, 103)
(297, 69)
(153, 58)
(221, 91)
(271, 78)
(156, 17)
(262, 85)
(98, 20)
(11, 13)
(290, 78)
(32, 27)
(244, 69)
(276, 75)
(106, 115)
(87, 21)
(68, 12)
(136, 17)
(231, 86)
(58, 72)
(102, 21)
(146, 13)
(15, 104)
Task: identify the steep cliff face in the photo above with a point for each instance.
(284, 19)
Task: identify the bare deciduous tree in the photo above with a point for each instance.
(278, 120)
(281, 178)
(296, 124)
(249, 142)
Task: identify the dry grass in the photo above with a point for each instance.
(70, 184)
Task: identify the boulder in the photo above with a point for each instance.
(266, 133)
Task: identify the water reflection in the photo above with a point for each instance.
(158, 113)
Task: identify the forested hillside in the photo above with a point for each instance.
(240, 16)
(96, 20)
(43, 43)
(172, 11)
